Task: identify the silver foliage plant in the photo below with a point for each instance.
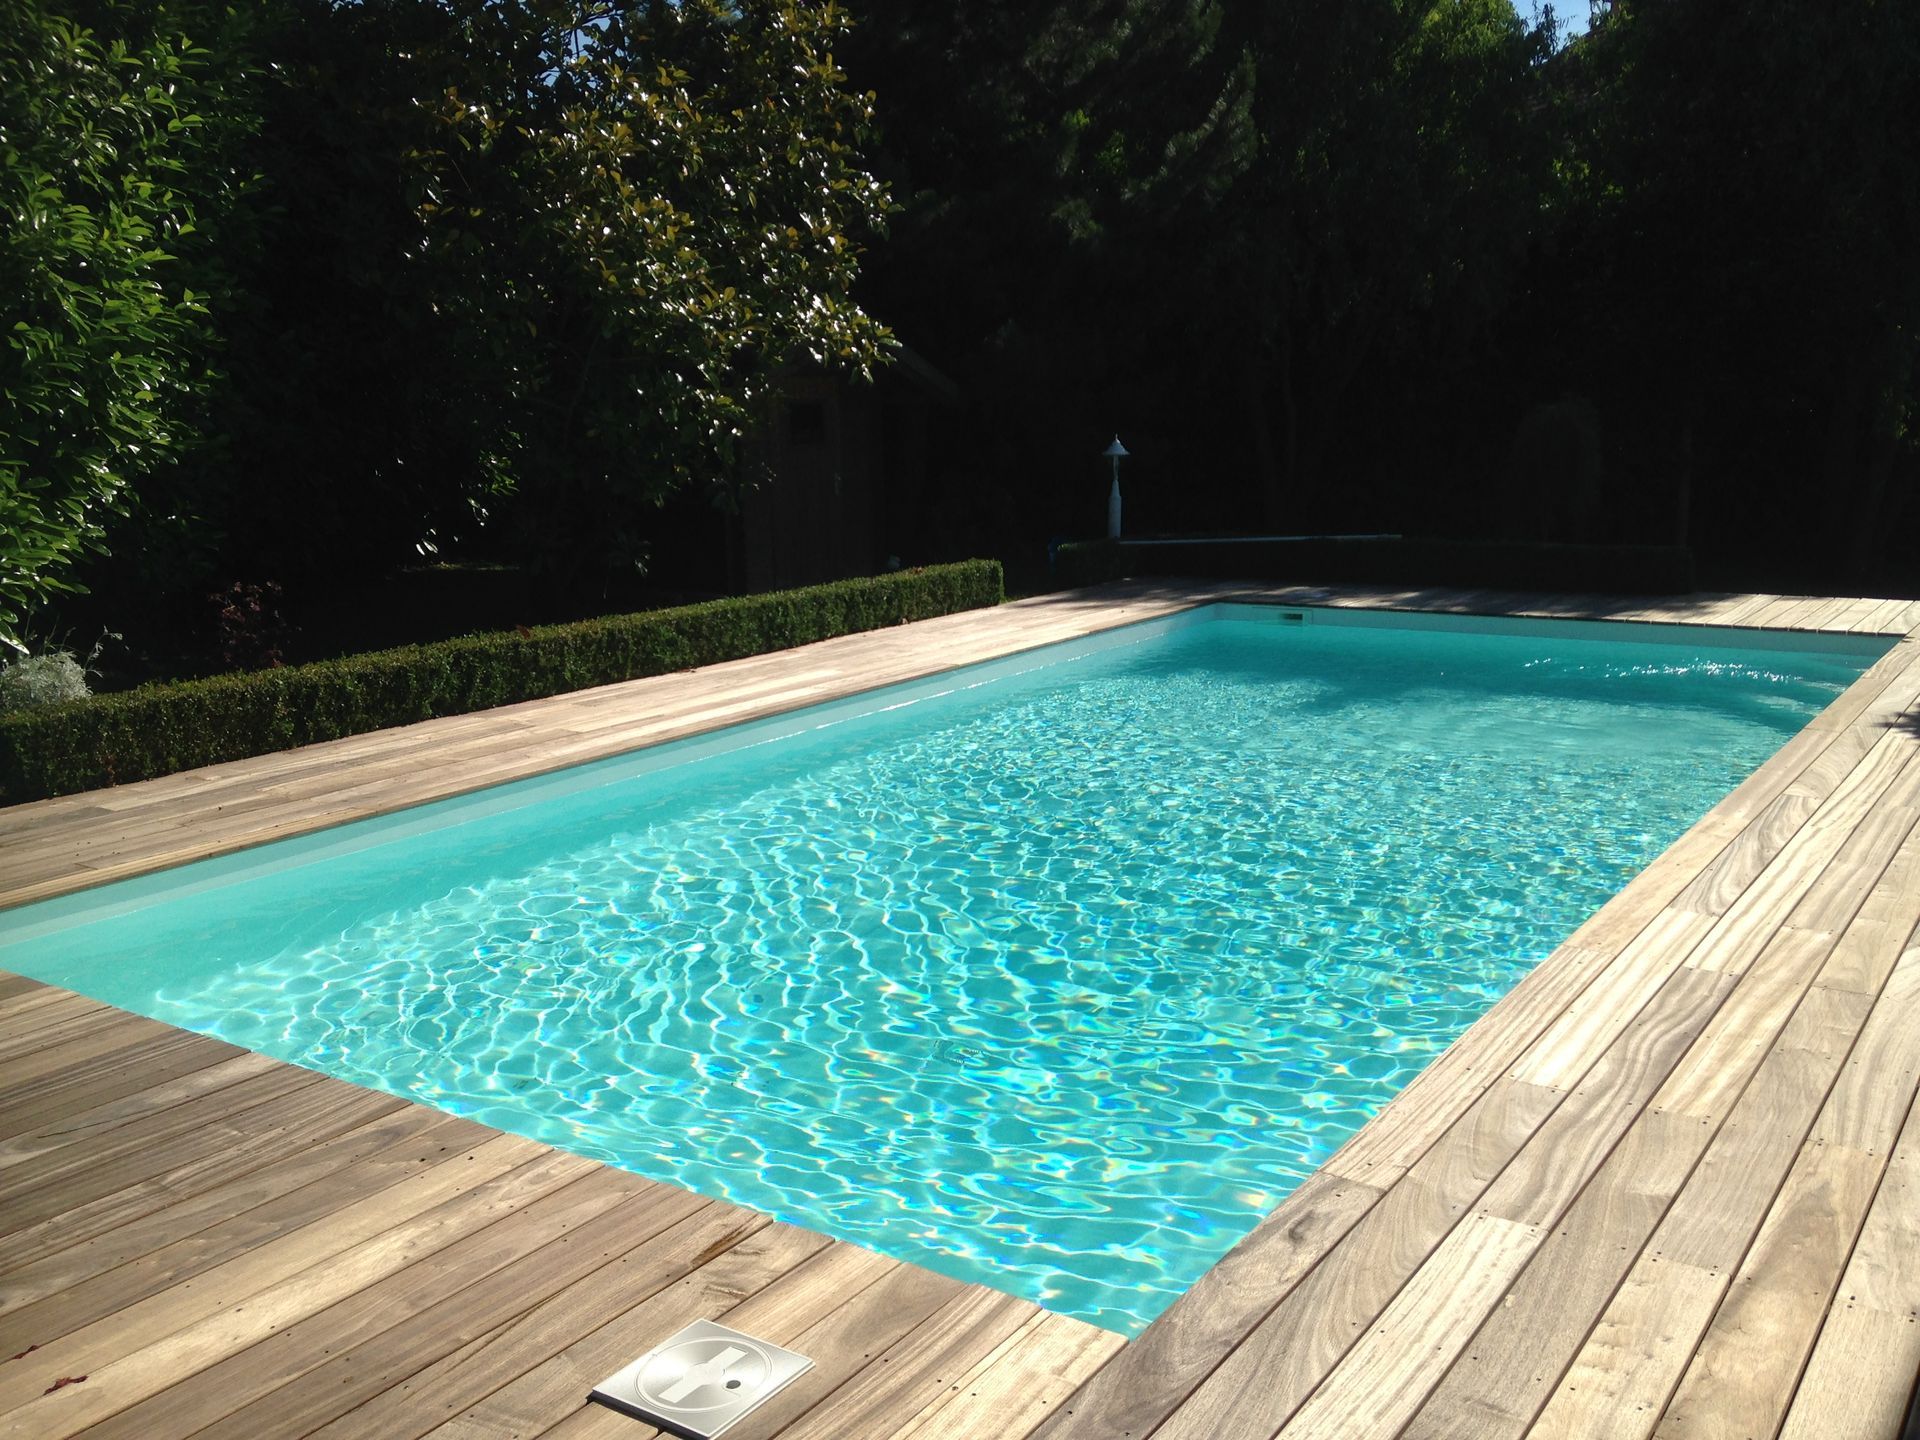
(41, 680)
(52, 677)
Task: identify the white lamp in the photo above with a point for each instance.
(1115, 452)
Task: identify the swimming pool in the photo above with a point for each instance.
(1056, 973)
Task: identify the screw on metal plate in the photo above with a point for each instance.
(699, 1381)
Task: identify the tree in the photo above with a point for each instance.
(562, 246)
(116, 134)
(514, 267)
(1234, 226)
(634, 213)
(1056, 165)
(1384, 219)
(1740, 267)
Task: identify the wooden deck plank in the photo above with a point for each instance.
(124, 1376)
(1519, 1355)
(1781, 887)
(16, 988)
(1406, 1352)
(357, 1361)
(926, 1361)
(695, 1268)
(1859, 1378)
(27, 995)
(1465, 1261)
(1019, 1386)
(68, 1127)
(1744, 1371)
(49, 1183)
(1889, 681)
(1708, 1081)
(114, 1076)
(1790, 612)
(1549, 1311)
(1389, 1372)
(507, 1264)
(1614, 1388)
(377, 1224)
(1834, 614)
(1726, 879)
(67, 1018)
(1743, 1376)
(29, 1076)
(1739, 611)
(1503, 1376)
(1170, 1359)
(1867, 1104)
(135, 1237)
(1273, 1371)
(56, 1301)
(1881, 618)
(1548, 1172)
(1883, 926)
(1597, 1015)
(1644, 1344)
(302, 1120)
(1726, 1196)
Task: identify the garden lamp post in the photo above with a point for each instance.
(1115, 452)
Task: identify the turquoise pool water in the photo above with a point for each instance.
(1055, 974)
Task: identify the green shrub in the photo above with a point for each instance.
(159, 729)
(1476, 564)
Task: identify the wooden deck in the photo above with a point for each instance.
(1670, 1184)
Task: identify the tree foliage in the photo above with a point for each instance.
(1211, 220)
(521, 264)
(562, 245)
(308, 288)
(630, 215)
(1058, 167)
(1340, 264)
(1734, 272)
(1381, 226)
(115, 148)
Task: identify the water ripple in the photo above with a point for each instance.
(1061, 993)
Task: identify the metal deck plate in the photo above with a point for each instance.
(699, 1381)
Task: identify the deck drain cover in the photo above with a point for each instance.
(701, 1380)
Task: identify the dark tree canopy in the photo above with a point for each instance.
(1735, 253)
(1342, 264)
(118, 184)
(307, 289)
(1209, 220)
(526, 264)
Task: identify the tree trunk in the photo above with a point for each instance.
(1267, 331)
(1256, 389)
(1288, 472)
(1845, 480)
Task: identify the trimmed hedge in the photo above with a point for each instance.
(160, 729)
(1479, 564)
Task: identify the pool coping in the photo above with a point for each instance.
(1180, 1366)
